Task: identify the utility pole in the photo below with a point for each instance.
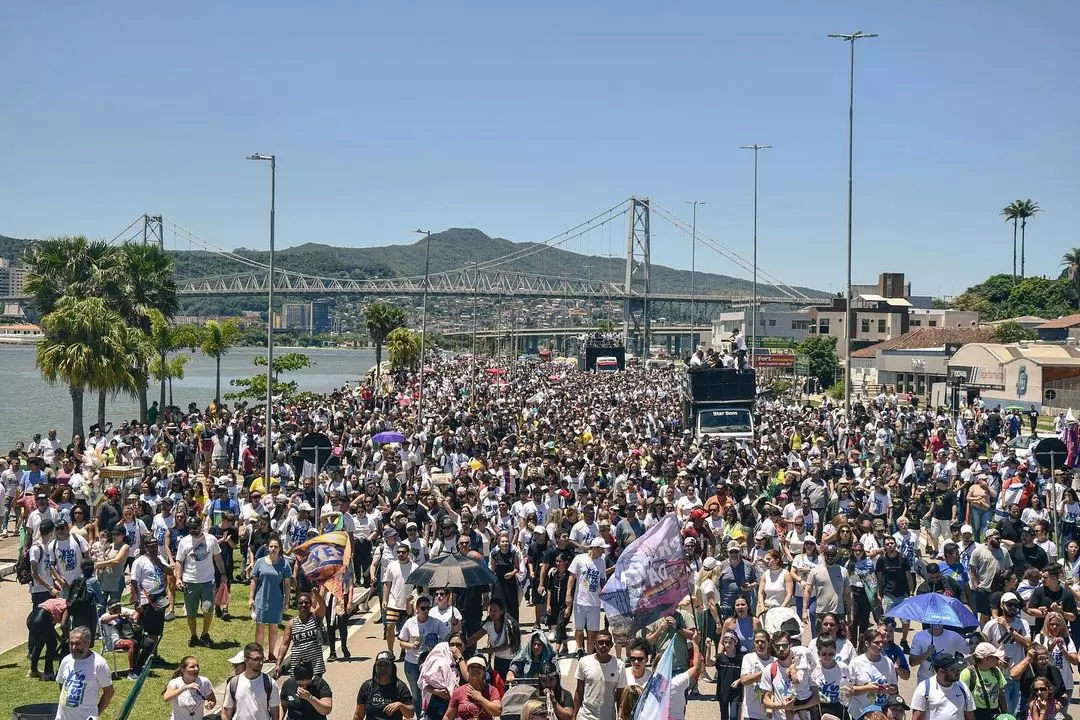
(272, 159)
(693, 268)
(753, 314)
(472, 360)
(850, 38)
(423, 331)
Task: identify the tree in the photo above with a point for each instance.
(821, 354)
(217, 338)
(1024, 210)
(1009, 212)
(165, 338)
(404, 348)
(1071, 261)
(254, 387)
(1010, 332)
(171, 369)
(88, 346)
(381, 319)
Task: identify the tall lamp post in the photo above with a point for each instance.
(272, 159)
(753, 313)
(423, 329)
(693, 267)
(472, 358)
(849, 38)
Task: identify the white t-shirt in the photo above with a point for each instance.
(864, 671)
(430, 633)
(941, 703)
(627, 678)
(947, 642)
(495, 639)
(601, 679)
(447, 616)
(41, 562)
(753, 697)
(68, 556)
(201, 554)
(782, 686)
(249, 699)
(679, 685)
(81, 682)
(396, 573)
(188, 705)
(1057, 658)
(151, 582)
(589, 575)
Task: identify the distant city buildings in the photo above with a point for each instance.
(12, 278)
(312, 317)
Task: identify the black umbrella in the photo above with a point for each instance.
(452, 571)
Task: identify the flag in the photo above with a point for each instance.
(655, 700)
(326, 561)
(650, 579)
(909, 468)
(308, 470)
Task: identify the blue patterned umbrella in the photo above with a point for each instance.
(934, 609)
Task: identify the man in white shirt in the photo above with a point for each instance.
(252, 695)
(682, 682)
(585, 530)
(931, 643)
(597, 677)
(396, 591)
(587, 574)
(84, 679)
(943, 697)
(67, 553)
(197, 554)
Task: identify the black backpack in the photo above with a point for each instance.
(23, 572)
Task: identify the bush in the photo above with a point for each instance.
(836, 392)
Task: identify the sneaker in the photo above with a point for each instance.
(133, 676)
(33, 674)
(193, 642)
(170, 615)
(206, 641)
(332, 658)
(48, 677)
(225, 615)
(345, 653)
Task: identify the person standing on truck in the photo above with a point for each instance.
(739, 343)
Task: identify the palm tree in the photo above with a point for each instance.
(1009, 212)
(1024, 210)
(171, 369)
(145, 283)
(404, 347)
(381, 319)
(165, 338)
(216, 340)
(1071, 261)
(87, 345)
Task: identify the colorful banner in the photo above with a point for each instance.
(655, 701)
(650, 579)
(326, 561)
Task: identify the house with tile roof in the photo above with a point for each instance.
(911, 362)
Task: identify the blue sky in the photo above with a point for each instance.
(523, 119)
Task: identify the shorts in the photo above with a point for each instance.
(586, 618)
(395, 619)
(152, 621)
(198, 598)
(888, 601)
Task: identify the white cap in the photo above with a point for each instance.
(598, 542)
(1009, 597)
(967, 529)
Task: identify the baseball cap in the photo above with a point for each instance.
(597, 542)
(734, 546)
(1009, 597)
(238, 658)
(992, 532)
(984, 650)
(474, 660)
(897, 701)
(389, 532)
(967, 529)
(709, 563)
(945, 661)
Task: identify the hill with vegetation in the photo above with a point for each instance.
(450, 250)
(999, 297)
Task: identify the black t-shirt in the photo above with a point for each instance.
(375, 697)
(1043, 597)
(108, 516)
(226, 550)
(894, 571)
(1010, 529)
(297, 709)
(1025, 557)
(944, 502)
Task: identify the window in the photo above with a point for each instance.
(772, 323)
(799, 324)
(916, 323)
(881, 325)
(933, 323)
(762, 322)
(823, 326)
(865, 325)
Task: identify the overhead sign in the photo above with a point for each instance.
(773, 342)
(988, 378)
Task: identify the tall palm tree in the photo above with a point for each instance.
(404, 347)
(1009, 212)
(145, 282)
(171, 369)
(1071, 261)
(217, 338)
(88, 346)
(166, 338)
(381, 319)
(1024, 210)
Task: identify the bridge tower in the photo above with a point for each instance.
(636, 280)
(152, 230)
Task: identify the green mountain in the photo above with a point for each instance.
(451, 249)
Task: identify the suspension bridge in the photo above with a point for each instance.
(495, 277)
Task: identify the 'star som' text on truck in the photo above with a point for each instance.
(719, 402)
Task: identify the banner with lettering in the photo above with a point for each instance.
(650, 579)
(326, 560)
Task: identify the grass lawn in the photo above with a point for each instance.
(16, 689)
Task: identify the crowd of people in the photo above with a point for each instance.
(798, 544)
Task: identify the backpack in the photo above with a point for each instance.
(23, 573)
(230, 688)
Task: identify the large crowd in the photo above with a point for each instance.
(799, 543)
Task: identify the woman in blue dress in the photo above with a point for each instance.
(270, 578)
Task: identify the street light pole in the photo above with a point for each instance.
(753, 313)
(472, 359)
(423, 330)
(272, 159)
(693, 267)
(850, 38)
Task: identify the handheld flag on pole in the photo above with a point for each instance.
(909, 468)
(650, 579)
(655, 701)
(326, 560)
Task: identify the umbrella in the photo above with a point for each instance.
(452, 571)
(934, 609)
(406, 401)
(388, 437)
(554, 378)
(775, 618)
(496, 371)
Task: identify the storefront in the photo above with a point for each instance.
(1020, 374)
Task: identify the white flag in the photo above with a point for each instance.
(909, 468)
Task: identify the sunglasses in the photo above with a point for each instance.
(637, 659)
(781, 646)
(457, 644)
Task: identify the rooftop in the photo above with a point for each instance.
(1067, 321)
(928, 337)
